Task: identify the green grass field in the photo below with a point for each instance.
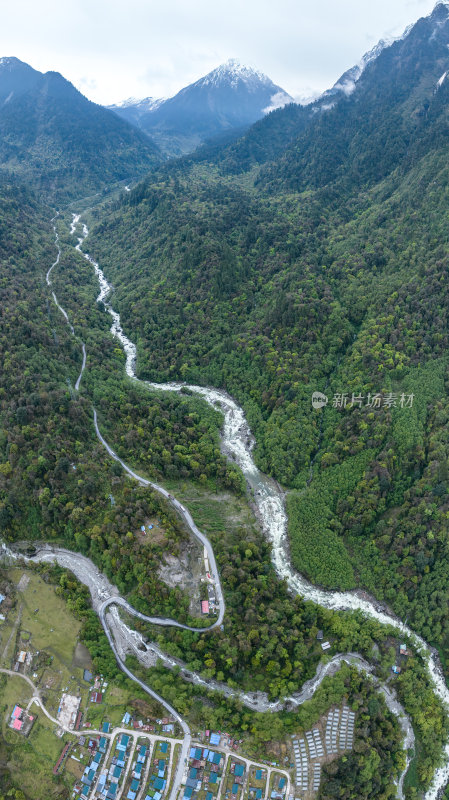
(31, 760)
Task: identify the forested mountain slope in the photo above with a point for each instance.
(310, 273)
(56, 139)
(57, 483)
(298, 281)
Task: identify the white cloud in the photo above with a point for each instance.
(347, 87)
(278, 100)
(111, 49)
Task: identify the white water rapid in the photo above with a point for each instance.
(237, 443)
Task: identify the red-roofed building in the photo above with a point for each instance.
(205, 606)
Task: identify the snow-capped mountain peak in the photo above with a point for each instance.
(231, 96)
(233, 72)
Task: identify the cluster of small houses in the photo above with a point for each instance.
(103, 781)
(97, 749)
(205, 773)
(206, 778)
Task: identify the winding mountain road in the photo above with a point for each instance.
(237, 443)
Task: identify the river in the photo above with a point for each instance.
(237, 444)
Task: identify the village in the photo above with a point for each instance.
(111, 747)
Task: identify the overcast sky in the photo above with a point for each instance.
(114, 49)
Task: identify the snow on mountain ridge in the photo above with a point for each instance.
(10, 61)
(144, 104)
(231, 72)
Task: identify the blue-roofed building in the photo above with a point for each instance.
(213, 777)
(164, 747)
(168, 728)
(138, 769)
(131, 795)
(258, 774)
(102, 745)
(205, 752)
(2, 597)
(157, 796)
(198, 753)
(258, 794)
(215, 738)
(97, 758)
(217, 758)
(239, 770)
(188, 791)
(192, 752)
(116, 772)
(209, 796)
(120, 762)
(193, 772)
(161, 763)
(235, 788)
(282, 783)
(105, 728)
(126, 718)
(159, 784)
